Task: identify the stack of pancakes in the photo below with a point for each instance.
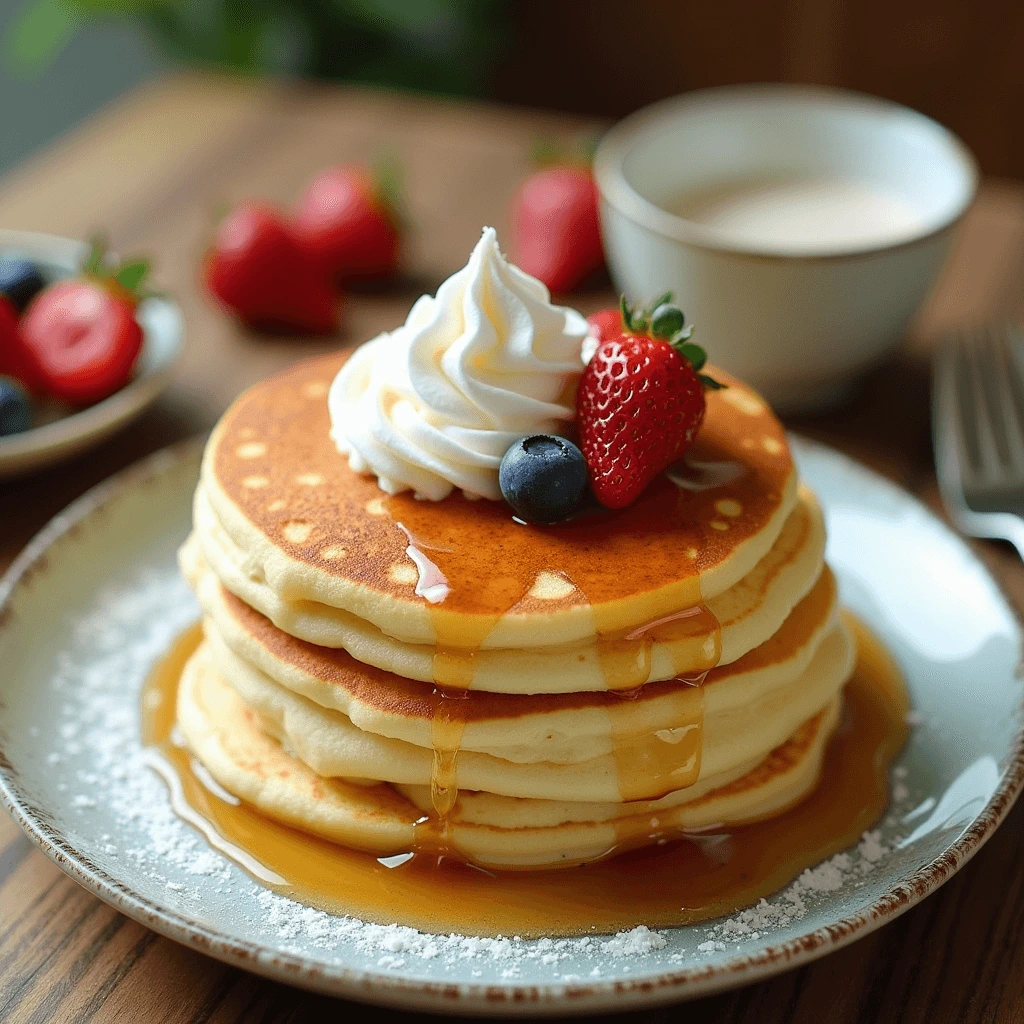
(383, 671)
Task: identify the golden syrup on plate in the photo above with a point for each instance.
(686, 880)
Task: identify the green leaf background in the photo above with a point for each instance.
(438, 45)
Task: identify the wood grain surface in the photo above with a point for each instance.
(153, 171)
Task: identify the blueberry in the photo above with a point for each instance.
(15, 409)
(543, 478)
(20, 281)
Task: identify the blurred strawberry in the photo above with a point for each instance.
(82, 334)
(348, 220)
(606, 323)
(556, 232)
(258, 269)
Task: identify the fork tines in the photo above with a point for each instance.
(978, 420)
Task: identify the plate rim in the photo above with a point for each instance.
(459, 998)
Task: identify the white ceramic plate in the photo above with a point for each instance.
(96, 598)
(68, 435)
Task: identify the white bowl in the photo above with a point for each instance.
(798, 320)
(70, 434)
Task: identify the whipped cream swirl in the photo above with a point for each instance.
(435, 404)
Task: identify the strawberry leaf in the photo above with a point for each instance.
(696, 355)
(710, 384)
(661, 300)
(667, 321)
(131, 275)
(627, 313)
(545, 153)
(388, 186)
(97, 252)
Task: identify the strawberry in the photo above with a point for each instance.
(258, 269)
(81, 333)
(348, 220)
(605, 323)
(640, 401)
(556, 232)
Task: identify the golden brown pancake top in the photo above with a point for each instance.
(275, 460)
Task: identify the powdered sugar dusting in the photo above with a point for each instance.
(840, 872)
(97, 764)
(99, 679)
(291, 922)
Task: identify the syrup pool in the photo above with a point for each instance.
(673, 882)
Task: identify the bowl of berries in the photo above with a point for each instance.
(84, 346)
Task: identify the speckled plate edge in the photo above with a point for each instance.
(510, 999)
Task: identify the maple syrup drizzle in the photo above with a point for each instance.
(677, 880)
(663, 758)
(453, 667)
(654, 759)
(447, 724)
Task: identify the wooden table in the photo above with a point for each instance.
(153, 171)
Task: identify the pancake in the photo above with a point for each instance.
(463, 575)
(694, 741)
(227, 738)
(380, 671)
(741, 618)
(561, 728)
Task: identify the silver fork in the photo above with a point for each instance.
(978, 428)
